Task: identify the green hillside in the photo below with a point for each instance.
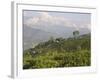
(59, 52)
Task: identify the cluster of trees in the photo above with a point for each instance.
(59, 52)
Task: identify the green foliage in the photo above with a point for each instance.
(59, 52)
(76, 33)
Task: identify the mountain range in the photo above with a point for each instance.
(33, 36)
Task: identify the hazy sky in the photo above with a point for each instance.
(48, 20)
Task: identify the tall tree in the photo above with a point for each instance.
(76, 34)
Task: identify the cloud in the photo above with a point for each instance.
(46, 21)
(45, 18)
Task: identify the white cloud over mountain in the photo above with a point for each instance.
(40, 26)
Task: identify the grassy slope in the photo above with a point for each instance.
(59, 53)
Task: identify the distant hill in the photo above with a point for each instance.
(63, 44)
(33, 36)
